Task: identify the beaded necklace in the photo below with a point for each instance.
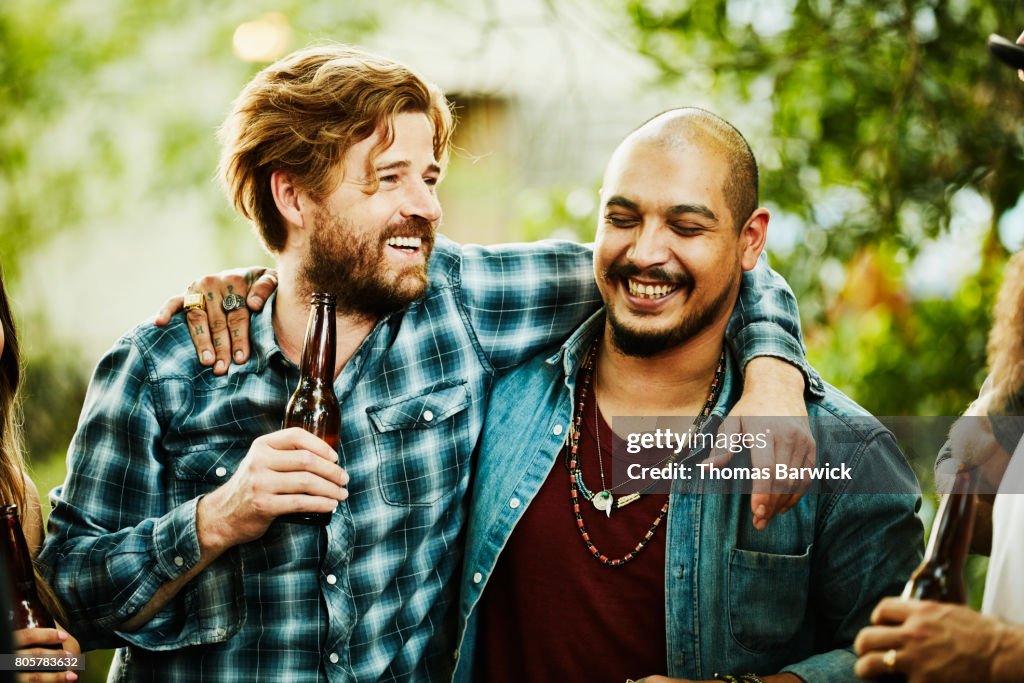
(576, 471)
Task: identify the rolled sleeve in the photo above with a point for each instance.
(176, 541)
(828, 667)
(766, 322)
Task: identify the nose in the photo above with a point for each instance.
(422, 202)
(649, 248)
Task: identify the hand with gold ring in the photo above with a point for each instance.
(938, 643)
(217, 321)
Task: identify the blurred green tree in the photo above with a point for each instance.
(878, 114)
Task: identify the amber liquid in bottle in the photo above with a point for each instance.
(940, 576)
(27, 610)
(313, 406)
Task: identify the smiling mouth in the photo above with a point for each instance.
(407, 245)
(649, 291)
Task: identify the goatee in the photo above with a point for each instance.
(642, 343)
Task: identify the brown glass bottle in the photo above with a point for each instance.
(940, 576)
(313, 406)
(27, 610)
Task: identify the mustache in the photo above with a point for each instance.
(414, 226)
(626, 270)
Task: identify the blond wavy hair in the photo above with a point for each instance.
(1006, 341)
(302, 114)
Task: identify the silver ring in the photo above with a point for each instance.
(231, 302)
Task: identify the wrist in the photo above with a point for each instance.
(213, 532)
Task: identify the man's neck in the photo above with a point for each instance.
(674, 382)
(291, 312)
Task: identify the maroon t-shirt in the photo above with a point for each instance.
(551, 611)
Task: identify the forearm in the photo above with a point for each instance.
(772, 376)
(212, 545)
(106, 580)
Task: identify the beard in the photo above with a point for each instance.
(349, 262)
(642, 343)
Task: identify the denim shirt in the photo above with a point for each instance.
(790, 598)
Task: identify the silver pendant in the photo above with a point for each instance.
(603, 501)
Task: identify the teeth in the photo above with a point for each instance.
(650, 291)
(409, 242)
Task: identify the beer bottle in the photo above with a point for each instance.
(313, 406)
(940, 576)
(27, 610)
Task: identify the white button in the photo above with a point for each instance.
(332, 579)
(427, 415)
(514, 503)
(333, 658)
(221, 471)
(478, 577)
(218, 632)
(557, 430)
(179, 561)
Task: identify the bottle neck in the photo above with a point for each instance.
(19, 562)
(318, 351)
(954, 522)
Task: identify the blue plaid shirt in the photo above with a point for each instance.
(370, 597)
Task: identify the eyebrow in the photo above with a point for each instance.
(404, 164)
(678, 209)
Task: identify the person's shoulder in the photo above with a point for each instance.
(166, 350)
(445, 257)
(838, 411)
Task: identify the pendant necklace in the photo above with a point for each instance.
(603, 500)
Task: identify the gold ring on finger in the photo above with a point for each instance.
(194, 300)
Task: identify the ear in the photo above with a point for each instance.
(753, 237)
(289, 198)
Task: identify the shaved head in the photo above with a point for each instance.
(677, 129)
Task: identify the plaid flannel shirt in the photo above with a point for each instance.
(369, 597)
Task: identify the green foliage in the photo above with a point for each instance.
(896, 104)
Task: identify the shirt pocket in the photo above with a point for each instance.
(198, 470)
(767, 597)
(421, 441)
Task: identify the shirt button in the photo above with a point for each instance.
(427, 415)
(334, 658)
(332, 579)
(557, 430)
(514, 503)
(478, 577)
(218, 632)
(179, 561)
(221, 471)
